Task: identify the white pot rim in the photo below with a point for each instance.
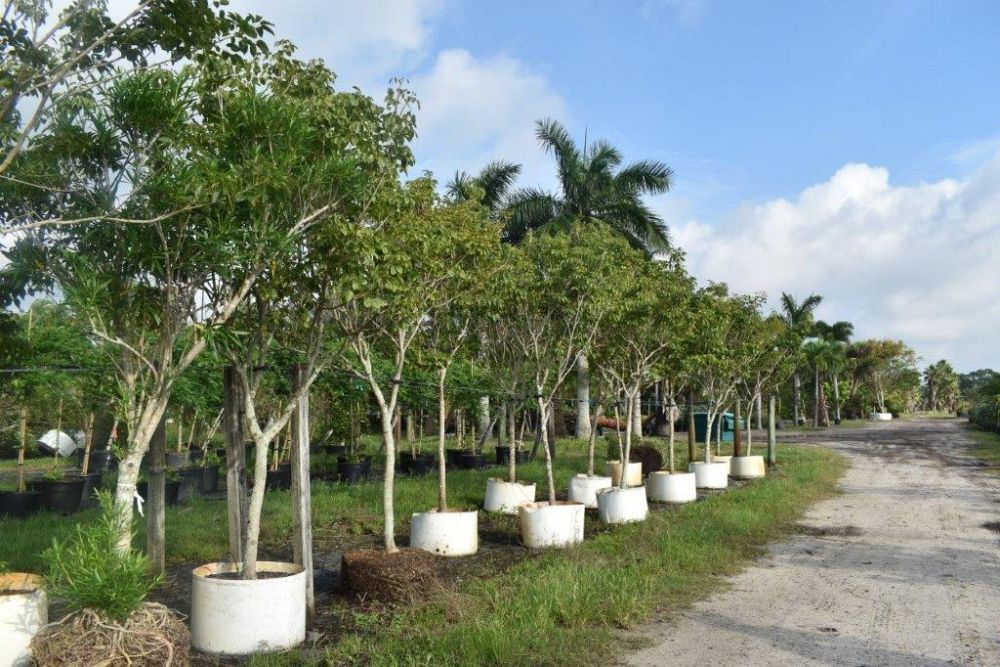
(542, 505)
(20, 583)
(618, 489)
(447, 512)
(223, 567)
(498, 480)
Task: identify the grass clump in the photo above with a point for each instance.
(85, 571)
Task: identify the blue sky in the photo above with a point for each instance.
(850, 149)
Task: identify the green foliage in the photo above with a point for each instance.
(85, 571)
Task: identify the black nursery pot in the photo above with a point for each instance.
(452, 457)
(352, 472)
(171, 491)
(190, 480)
(280, 479)
(471, 461)
(101, 460)
(503, 456)
(176, 460)
(62, 496)
(15, 505)
(423, 464)
(208, 482)
(196, 455)
(91, 483)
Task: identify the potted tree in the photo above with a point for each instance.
(672, 486)
(583, 487)
(20, 502)
(443, 530)
(564, 287)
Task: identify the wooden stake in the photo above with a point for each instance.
(88, 441)
(20, 452)
(302, 549)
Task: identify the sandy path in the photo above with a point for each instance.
(898, 570)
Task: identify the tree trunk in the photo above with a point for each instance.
(637, 415)
(251, 540)
(236, 488)
(542, 416)
(442, 468)
(302, 542)
(670, 429)
(631, 409)
(692, 445)
(592, 439)
(771, 433)
(128, 469)
(816, 390)
(797, 397)
(760, 410)
(512, 443)
(485, 423)
(824, 412)
(156, 501)
(737, 432)
(583, 424)
(550, 428)
(836, 398)
(709, 418)
(389, 480)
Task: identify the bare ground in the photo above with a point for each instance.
(903, 568)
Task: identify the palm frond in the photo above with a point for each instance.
(645, 177)
(528, 209)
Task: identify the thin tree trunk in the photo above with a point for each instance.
(156, 501)
(637, 415)
(542, 410)
(629, 428)
(816, 391)
(512, 440)
(836, 398)
(760, 410)
(772, 439)
(737, 432)
(592, 439)
(21, 450)
(583, 422)
(618, 432)
(485, 423)
(797, 397)
(442, 468)
(88, 443)
(692, 445)
(671, 436)
(389, 480)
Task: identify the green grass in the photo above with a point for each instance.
(559, 607)
(807, 427)
(566, 607)
(988, 447)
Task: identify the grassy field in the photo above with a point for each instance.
(989, 447)
(552, 608)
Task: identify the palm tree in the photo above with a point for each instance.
(838, 335)
(495, 181)
(594, 187)
(799, 317)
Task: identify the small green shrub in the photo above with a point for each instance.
(85, 570)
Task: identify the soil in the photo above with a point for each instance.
(900, 569)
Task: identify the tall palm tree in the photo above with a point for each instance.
(838, 335)
(594, 187)
(494, 181)
(799, 318)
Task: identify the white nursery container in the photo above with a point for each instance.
(710, 475)
(445, 533)
(237, 617)
(747, 467)
(24, 609)
(584, 488)
(676, 488)
(546, 525)
(614, 471)
(882, 416)
(505, 497)
(617, 505)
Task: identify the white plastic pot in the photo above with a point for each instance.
(445, 533)
(544, 525)
(747, 467)
(24, 610)
(721, 459)
(237, 617)
(616, 505)
(614, 471)
(505, 497)
(710, 475)
(679, 487)
(584, 488)
(882, 416)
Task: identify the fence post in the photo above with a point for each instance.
(301, 489)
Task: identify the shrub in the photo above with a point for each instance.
(85, 571)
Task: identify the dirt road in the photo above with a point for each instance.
(903, 568)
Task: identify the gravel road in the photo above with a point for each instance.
(902, 568)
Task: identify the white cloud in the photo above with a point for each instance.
(919, 262)
(475, 110)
